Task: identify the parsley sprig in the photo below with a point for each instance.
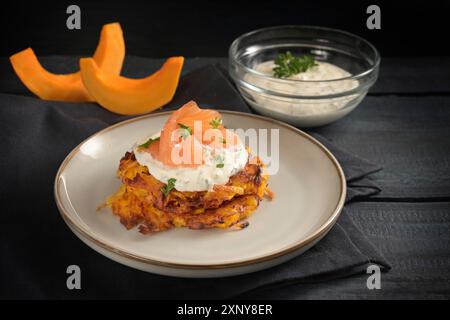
(287, 65)
(148, 142)
(169, 186)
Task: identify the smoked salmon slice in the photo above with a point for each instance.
(204, 116)
(185, 134)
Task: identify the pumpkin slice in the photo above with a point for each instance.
(131, 96)
(109, 56)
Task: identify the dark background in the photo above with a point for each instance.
(206, 28)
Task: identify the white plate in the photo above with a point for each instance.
(309, 195)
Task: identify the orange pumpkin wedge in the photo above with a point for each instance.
(109, 56)
(131, 96)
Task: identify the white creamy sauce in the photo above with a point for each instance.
(201, 178)
(323, 71)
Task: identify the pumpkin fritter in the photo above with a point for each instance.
(140, 201)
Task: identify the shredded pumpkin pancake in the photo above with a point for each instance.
(214, 183)
(140, 201)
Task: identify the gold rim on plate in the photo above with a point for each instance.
(282, 252)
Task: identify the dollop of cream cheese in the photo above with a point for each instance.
(219, 165)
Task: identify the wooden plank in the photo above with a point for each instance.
(408, 136)
(406, 75)
(414, 238)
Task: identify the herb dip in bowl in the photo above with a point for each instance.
(306, 76)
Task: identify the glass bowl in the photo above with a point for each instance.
(311, 102)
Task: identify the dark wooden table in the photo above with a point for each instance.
(403, 125)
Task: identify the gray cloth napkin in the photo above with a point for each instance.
(36, 246)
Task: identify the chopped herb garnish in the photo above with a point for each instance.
(219, 165)
(183, 126)
(169, 186)
(223, 140)
(216, 122)
(287, 65)
(148, 142)
(186, 131)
